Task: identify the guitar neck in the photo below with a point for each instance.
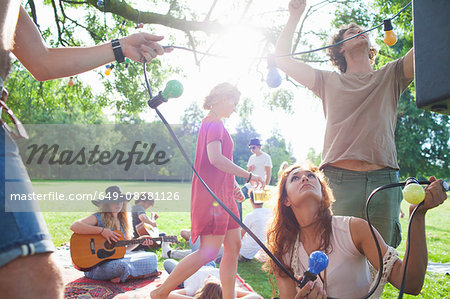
(139, 241)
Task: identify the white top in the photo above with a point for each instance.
(197, 280)
(347, 274)
(257, 222)
(260, 162)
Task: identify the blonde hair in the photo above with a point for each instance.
(220, 92)
(212, 289)
(124, 219)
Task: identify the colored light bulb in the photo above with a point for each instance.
(70, 81)
(389, 36)
(141, 25)
(318, 261)
(173, 89)
(273, 78)
(108, 72)
(413, 192)
(100, 3)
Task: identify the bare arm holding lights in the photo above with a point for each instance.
(418, 256)
(299, 71)
(49, 63)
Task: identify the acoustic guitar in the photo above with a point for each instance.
(145, 229)
(88, 251)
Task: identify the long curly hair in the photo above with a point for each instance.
(336, 57)
(285, 228)
(108, 219)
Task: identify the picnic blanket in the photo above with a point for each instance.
(77, 286)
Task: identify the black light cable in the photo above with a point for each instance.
(186, 157)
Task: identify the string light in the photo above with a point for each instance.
(100, 3)
(109, 67)
(70, 83)
(389, 36)
(273, 76)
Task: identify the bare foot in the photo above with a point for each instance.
(115, 280)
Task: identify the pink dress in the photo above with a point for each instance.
(208, 217)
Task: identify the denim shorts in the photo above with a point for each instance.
(351, 190)
(22, 233)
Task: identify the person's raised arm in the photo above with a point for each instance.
(49, 63)
(214, 150)
(299, 71)
(408, 64)
(418, 256)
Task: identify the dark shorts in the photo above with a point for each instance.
(351, 190)
(22, 233)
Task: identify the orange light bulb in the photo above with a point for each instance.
(390, 38)
(108, 72)
(70, 81)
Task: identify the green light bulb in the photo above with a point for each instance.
(173, 89)
(413, 193)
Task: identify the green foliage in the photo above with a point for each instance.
(192, 118)
(241, 153)
(314, 157)
(281, 99)
(279, 152)
(52, 102)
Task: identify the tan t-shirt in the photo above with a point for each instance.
(361, 113)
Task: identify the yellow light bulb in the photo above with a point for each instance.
(390, 38)
(108, 72)
(414, 194)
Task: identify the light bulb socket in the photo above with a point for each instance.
(307, 276)
(387, 25)
(271, 61)
(156, 100)
(411, 180)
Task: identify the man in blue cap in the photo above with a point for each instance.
(259, 163)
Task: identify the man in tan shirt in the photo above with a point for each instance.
(360, 107)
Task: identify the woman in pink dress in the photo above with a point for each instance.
(214, 163)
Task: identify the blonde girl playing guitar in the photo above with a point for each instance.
(113, 216)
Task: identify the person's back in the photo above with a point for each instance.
(256, 221)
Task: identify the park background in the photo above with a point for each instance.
(289, 120)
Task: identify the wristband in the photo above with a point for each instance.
(118, 53)
(249, 177)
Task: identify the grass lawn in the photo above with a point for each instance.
(437, 222)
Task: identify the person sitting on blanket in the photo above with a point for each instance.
(139, 215)
(303, 223)
(112, 216)
(144, 202)
(203, 284)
